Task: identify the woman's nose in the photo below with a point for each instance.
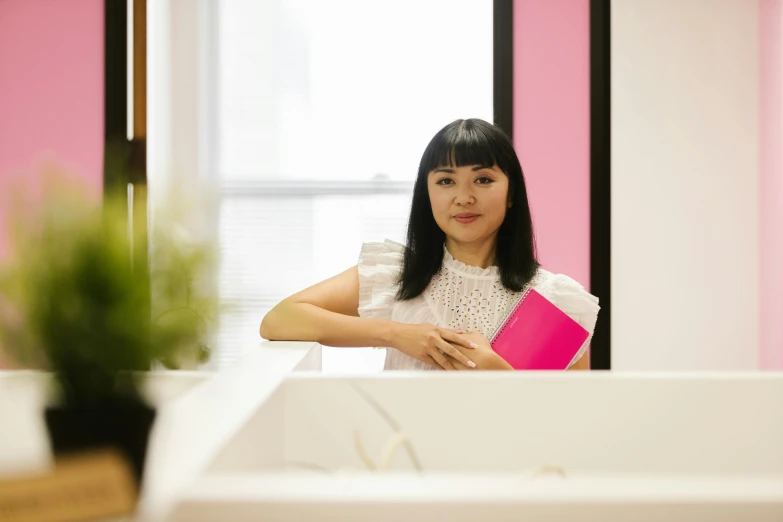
(465, 197)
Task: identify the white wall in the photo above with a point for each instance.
(685, 140)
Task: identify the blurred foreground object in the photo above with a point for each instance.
(83, 487)
(78, 298)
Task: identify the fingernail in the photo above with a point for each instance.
(473, 345)
(471, 364)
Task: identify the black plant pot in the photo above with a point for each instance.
(124, 426)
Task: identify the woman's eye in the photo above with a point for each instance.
(444, 181)
(484, 181)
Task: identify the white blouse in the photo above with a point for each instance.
(459, 296)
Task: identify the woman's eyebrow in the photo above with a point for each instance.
(475, 168)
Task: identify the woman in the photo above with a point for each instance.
(470, 252)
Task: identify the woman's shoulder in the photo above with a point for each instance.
(379, 267)
(381, 252)
(565, 292)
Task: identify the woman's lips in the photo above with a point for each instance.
(466, 218)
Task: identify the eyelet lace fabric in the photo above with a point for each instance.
(460, 296)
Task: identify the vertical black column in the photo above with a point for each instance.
(600, 179)
(503, 65)
(116, 171)
(124, 161)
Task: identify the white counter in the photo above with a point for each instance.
(271, 438)
(196, 411)
(504, 446)
(24, 446)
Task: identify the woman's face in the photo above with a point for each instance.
(468, 203)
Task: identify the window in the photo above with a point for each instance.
(321, 112)
(345, 89)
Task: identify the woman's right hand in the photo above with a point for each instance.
(429, 343)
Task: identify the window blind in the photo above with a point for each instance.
(274, 246)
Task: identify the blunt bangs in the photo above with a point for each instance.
(463, 145)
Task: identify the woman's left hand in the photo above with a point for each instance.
(484, 356)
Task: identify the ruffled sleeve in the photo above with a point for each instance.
(379, 267)
(574, 300)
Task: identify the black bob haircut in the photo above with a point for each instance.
(459, 144)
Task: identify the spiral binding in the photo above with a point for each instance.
(502, 326)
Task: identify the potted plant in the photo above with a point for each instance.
(79, 298)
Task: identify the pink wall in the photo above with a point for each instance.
(51, 89)
(552, 127)
(771, 183)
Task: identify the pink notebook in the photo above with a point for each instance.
(537, 335)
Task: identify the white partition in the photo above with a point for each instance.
(497, 446)
(605, 423)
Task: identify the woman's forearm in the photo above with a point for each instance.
(583, 363)
(291, 321)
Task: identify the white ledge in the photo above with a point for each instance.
(191, 429)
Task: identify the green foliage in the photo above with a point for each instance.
(76, 298)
